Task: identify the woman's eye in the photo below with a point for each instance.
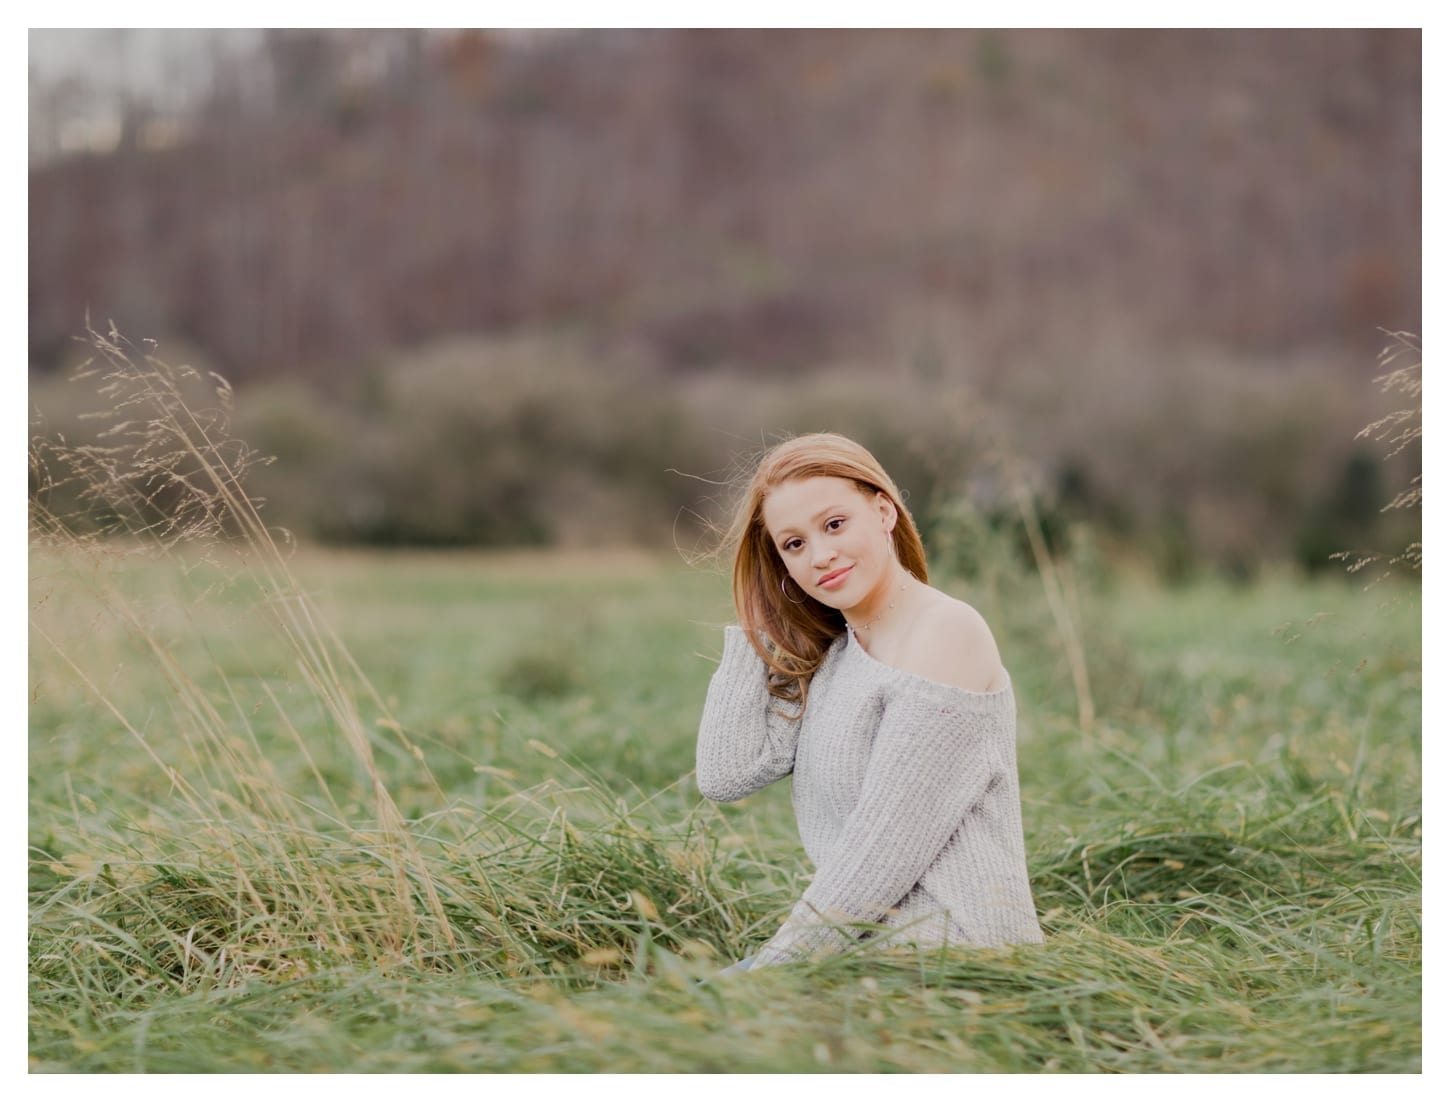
(791, 545)
(835, 523)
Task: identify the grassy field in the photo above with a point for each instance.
(481, 848)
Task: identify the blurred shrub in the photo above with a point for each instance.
(1347, 515)
(1401, 432)
(481, 443)
(552, 439)
(305, 432)
(985, 552)
(926, 434)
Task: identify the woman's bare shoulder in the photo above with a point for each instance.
(953, 645)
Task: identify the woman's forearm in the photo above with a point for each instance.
(745, 741)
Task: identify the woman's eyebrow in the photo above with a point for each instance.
(828, 509)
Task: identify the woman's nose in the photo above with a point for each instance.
(823, 555)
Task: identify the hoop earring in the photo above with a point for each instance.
(787, 596)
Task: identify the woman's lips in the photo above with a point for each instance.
(835, 578)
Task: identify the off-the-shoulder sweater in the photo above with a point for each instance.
(905, 793)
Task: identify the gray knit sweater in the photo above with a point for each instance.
(905, 793)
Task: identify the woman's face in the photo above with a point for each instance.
(834, 539)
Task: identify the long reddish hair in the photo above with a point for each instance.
(799, 634)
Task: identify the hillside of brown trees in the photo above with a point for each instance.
(1104, 234)
(771, 199)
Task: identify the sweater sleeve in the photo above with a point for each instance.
(745, 741)
(932, 760)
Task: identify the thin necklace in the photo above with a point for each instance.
(867, 625)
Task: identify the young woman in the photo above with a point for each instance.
(886, 701)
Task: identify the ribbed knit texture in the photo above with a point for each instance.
(905, 794)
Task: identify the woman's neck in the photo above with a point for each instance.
(883, 604)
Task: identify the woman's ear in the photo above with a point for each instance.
(888, 511)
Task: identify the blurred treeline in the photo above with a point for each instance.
(496, 289)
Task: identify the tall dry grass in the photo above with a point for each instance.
(240, 870)
(1400, 364)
